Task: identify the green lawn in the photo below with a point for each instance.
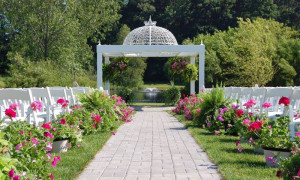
(75, 160)
(232, 164)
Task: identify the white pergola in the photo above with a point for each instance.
(191, 51)
(151, 41)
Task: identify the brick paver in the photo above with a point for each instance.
(154, 146)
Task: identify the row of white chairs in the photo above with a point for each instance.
(270, 95)
(48, 96)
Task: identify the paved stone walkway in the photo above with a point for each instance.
(154, 146)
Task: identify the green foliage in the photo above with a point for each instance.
(6, 162)
(25, 73)
(126, 94)
(289, 168)
(260, 52)
(132, 76)
(179, 69)
(124, 31)
(171, 95)
(212, 102)
(116, 67)
(277, 136)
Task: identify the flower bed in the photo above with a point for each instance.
(26, 149)
(216, 114)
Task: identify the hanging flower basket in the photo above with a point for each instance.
(114, 68)
(180, 67)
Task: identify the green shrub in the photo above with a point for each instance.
(126, 94)
(171, 95)
(212, 102)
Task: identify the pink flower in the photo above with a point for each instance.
(237, 143)
(16, 177)
(54, 129)
(36, 105)
(202, 90)
(46, 126)
(49, 156)
(54, 162)
(250, 140)
(78, 146)
(48, 134)
(14, 106)
(11, 173)
(240, 149)
(217, 132)
(220, 118)
(49, 146)
(246, 121)
(270, 127)
(62, 121)
(64, 105)
(60, 101)
(51, 176)
(10, 113)
(21, 132)
(18, 147)
(298, 173)
(298, 134)
(296, 116)
(209, 124)
(234, 106)
(198, 111)
(255, 126)
(127, 120)
(266, 105)
(270, 159)
(34, 141)
(113, 132)
(100, 110)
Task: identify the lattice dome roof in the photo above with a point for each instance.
(150, 34)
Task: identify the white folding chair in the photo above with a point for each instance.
(272, 96)
(259, 95)
(228, 92)
(43, 95)
(294, 108)
(58, 93)
(24, 98)
(244, 96)
(70, 96)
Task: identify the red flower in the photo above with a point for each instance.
(96, 118)
(16, 177)
(60, 101)
(46, 126)
(284, 100)
(11, 173)
(48, 134)
(10, 113)
(62, 121)
(255, 126)
(279, 174)
(240, 112)
(94, 126)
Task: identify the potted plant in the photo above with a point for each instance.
(276, 141)
(290, 168)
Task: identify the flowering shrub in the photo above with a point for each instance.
(187, 106)
(31, 146)
(171, 95)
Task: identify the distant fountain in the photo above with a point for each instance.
(148, 95)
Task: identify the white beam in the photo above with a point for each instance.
(99, 69)
(201, 67)
(107, 82)
(192, 83)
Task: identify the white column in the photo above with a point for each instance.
(201, 67)
(99, 69)
(107, 82)
(192, 83)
